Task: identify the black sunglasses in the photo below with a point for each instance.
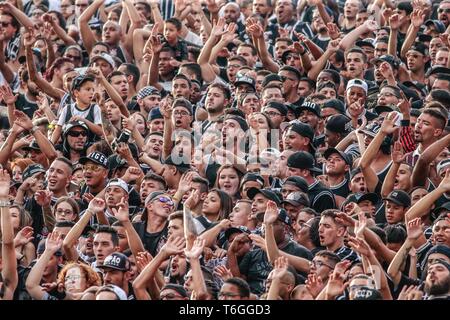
(77, 133)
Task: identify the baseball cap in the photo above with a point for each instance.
(279, 106)
(343, 155)
(445, 206)
(439, 26)
(441, 261)
(232, 230)
(155, 113)
(437, 69)
(339, 123)
(419, 47)
(241, 121)
(117, 182)
(176, 287)
(245, 80)
(284, 217)
(116, 261)
(371, 129)
(147, 91)
(269, 78)
(31, 170)
(68, 126)
(393, 61)
(360, 197)
(267, 193)
(250, 176)
(310, 106)
(32, 146)
(357, 83)
(303, 129)
(105, 56)
(96, 157)
(442, 165)
(181, 163)
(79, 80)
(380, 109)
(298, 182)
(297, 198)
(302, 160)
(367, 294)
(368, 42)
(183, 103)
(335, 104)
(399, 197)
(115, 161)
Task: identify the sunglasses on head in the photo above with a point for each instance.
(77, 133)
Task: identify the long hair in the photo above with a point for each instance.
(226, 203)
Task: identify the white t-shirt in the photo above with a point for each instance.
(81, 113)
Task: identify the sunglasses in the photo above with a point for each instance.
(166, 200)
(5, 24)
(91, 167)
(69, 56)
(444, 10)
(77, 133)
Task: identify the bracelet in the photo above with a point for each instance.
(5, 203)
(34, 129)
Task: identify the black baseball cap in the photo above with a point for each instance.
(360, 197)
(437, 69)
(393, 61)
(339, 123)
(269, 78)
(31, 170)
(284, 217)
(32, 146)
(304, 130)
(400, 198)
(298, 182)
(115, 162)
(348, 160)
(445, 206)
(183, 103)
(245, 80)
(372, 129)
(232, 230)
(267, 193)
(250, 176)
(278, 106)
(155, 113)
(302, 160)
(116, 261)
(419, 47)
(96, 157)
(367, 294)
(439, 26)
(79, 80)
(310, 106)
(297, 198)
(335, 104)
(365, 43)
(74, 124)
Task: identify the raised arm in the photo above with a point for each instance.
(394, 23)
(60, 32)
(153, 73)
(208, 73)
(398, 157)
(6, 149)
(351, 37)
(318, 66)
(9, 262)
(87, 36)
(52, 245)
(18, 14)
(417, 20)
(255, 30)
(135, 19)
(198, 281)
(5, 69)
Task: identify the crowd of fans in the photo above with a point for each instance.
(225, 150)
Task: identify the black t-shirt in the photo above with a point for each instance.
(26, 106)
(320, 197)
(342, 189)
(152, 241)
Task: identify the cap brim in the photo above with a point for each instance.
(252, 192)
(111, 267)
(28, 148)
(232, 230)
(394, 201)
(83, 160)
(293, 202)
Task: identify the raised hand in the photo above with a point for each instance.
(122, 214)
(24, 236)
(283, 33)
(333, 45)
(165, 107)
(219, 29)
(397, 153)
(186, 182)
(314, 284)
(96, 205)
(271, 214)
(258, 241)
(230, 34)
(197, 249)
(361, 225)
(417, 18)
(123, 150)
(23, 120)
(280, 267)
(388, 126)
(132, 174)
(371, 25)
(142, 260)
(404, 105)
(223, 273)
(5, 181)
(43, 197)
(212, 6)
(7, 95)
(333, 31)
(356, 108)
(173, 246)
(395, 21)
(345, 219)
(29, 38)
(351, 209)
(386, 70)
(193, 199)
(53, 242)
(414, 228)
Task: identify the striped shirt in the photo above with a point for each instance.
(345, 253)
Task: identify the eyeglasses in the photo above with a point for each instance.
(284, 78)
(77, 133)
(272, 113)
(4, 24)
(444, 10)
(64, 212)
(91, 167)
(166, 200)
(69, 56)
(317, 264)
(181, 113)
(386, 94)
(304, 224)
(234, 66)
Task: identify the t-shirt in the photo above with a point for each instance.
(320, 197)
(75, 111)
(152, 241)
(26, 106)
